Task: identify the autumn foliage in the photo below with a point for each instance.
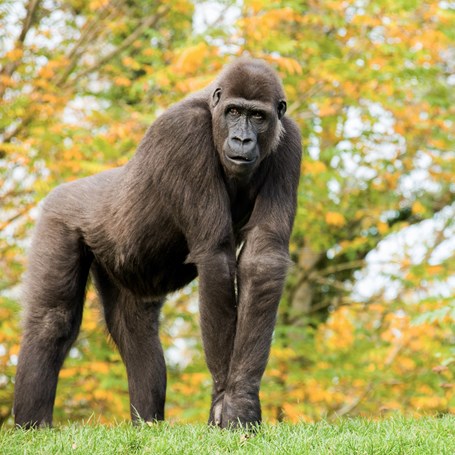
(366, 323)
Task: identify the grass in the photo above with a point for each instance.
(348, 436)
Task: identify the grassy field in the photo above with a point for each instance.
(351, 436)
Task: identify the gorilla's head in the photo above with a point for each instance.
(247, 104)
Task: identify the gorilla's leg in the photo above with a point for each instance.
(54, 293)
(133, 324)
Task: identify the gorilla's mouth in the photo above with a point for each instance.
(241, 159)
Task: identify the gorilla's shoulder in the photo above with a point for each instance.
(191, 112)
(181, 130)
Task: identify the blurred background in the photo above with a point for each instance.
(366, 323)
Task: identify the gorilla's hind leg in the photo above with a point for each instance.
(54, 293)
(133, 324)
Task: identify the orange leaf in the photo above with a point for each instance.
(335, 219)
(14, 54)
(191, 58)
(122, 81)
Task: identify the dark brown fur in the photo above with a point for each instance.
(179, 209)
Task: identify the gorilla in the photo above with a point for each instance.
(210, 193)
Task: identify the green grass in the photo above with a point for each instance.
(351, 436)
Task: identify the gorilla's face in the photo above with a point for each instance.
(246, 127)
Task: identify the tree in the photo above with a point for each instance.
(371, 86)
(79, 84)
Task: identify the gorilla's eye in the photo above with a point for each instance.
(257, 115)
(233, 111)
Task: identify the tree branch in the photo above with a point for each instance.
(10, 67)
(22, 124)
(338, 285)
(88, 33)
(17, 215)
(14, 193)
(146, 23)
(342, 267)
(349, 407)
(28, 21)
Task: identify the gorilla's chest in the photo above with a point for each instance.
(241, 207)
(152, 261)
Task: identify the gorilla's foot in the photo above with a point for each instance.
(236, 411)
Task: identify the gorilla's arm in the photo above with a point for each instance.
(261, 273)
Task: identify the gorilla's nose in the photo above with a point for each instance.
(242, 148)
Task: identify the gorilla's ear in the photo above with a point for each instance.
(216, 97)
(281, 109)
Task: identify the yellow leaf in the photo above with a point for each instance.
(290, 65)
(68, 373)
(383, 228)
(327, 109)
(191, 58)
(257, 5)
(7, 81)
(418, 208)
(14, 54)
(122, 81)
(102, 395)
(149, 52)
(435, 269)
(291, 412)
(314, 167)
(100, 367)
(97, 4)
(11, 148)
(335, 219)
(46, 72)
(131, 63)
